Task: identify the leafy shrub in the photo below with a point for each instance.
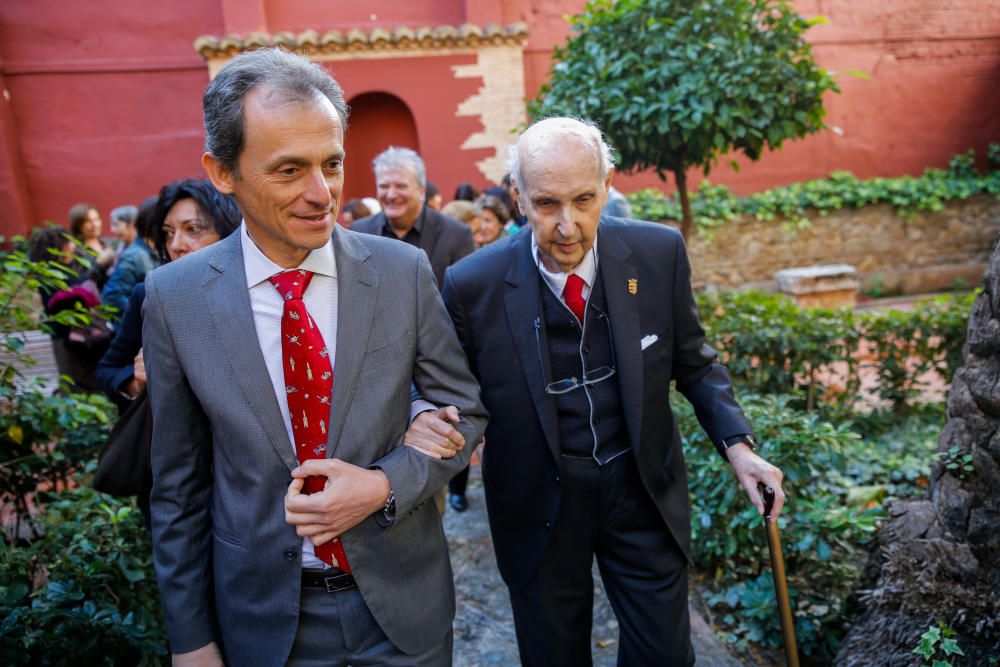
(85, 592)
(770, 345)
(44, 439)
(824, 537)
(715, 204)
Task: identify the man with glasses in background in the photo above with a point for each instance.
(575, 332)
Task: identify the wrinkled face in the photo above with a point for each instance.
(186, 229)
(400, 195)
(562, 194)
(489, 228)
(92, 225)
(290, 175)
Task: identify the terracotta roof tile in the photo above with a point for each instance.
(376, 39)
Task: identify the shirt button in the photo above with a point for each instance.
(586, 349)
(548, 525)
(597, 421)
(289, 554)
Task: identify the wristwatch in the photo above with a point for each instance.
(389, 509)
(746, 438)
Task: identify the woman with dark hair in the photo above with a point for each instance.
(85, 225)
(466, 192)
(189, 215)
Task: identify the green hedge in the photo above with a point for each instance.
(714, 205)
(835, 482)
(770, 345)
(85, 593)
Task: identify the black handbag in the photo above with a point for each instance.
(123, 464)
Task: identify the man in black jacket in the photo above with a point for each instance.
(401, 181)
(575, 332)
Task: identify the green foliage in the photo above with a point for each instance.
(938, 642)
(84, 593)
(770, 345)
(823, 535)
(714, 205)
(675, 84)
(957, 462)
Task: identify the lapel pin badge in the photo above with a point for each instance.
(633, 285)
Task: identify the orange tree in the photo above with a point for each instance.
(676, 83)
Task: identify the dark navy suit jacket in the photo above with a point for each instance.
(493, 299)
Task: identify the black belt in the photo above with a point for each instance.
(332, 580)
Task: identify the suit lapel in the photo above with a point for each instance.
(623, 307)
(229, 303)
(522, 305)
(357, 290)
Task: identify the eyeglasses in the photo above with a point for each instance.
(594, 376)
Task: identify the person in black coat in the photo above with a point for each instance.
(576, 331)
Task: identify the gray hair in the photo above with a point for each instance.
(126, 214)
(296, 77)
(565, 126)
(395, 157)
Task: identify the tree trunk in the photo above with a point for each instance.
(938, 559)
(686, 219)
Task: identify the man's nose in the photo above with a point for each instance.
(565, 223)
(317, 191)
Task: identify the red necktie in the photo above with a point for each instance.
(308, 386)
(573, 295)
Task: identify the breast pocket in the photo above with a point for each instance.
(384, 354)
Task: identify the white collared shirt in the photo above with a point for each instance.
(586, 269)
(267, 306)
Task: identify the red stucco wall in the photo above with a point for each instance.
(104, 102)
(101, 99)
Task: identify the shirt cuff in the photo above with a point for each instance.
(418, 406)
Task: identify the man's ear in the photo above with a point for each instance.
(222, 178)
(607, 181)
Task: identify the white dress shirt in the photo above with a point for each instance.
(586, 269)
(267, 306)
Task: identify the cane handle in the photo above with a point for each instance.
(767, 493)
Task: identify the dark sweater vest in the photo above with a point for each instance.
(590, 417)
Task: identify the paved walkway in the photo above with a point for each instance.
(484, 627)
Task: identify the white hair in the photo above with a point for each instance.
(564, 126)
(395, 157)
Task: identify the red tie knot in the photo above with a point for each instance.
(573, 295)
(291, 284)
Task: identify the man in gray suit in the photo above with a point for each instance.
(241, 383)
(400, 184)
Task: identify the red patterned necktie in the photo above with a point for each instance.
(573, 295)
(308, 386)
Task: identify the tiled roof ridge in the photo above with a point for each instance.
(377, 39)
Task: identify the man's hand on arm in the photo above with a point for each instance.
(751, 469)
(351, 495)
(206, 656)
(432, 433)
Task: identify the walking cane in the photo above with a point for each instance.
(780, 582)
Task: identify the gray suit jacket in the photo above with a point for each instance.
(227, 562)
(445, 240)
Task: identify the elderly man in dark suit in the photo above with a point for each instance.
(290, 525)
(400, 185)
(575, 332)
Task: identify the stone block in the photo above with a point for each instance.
(825, 286)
